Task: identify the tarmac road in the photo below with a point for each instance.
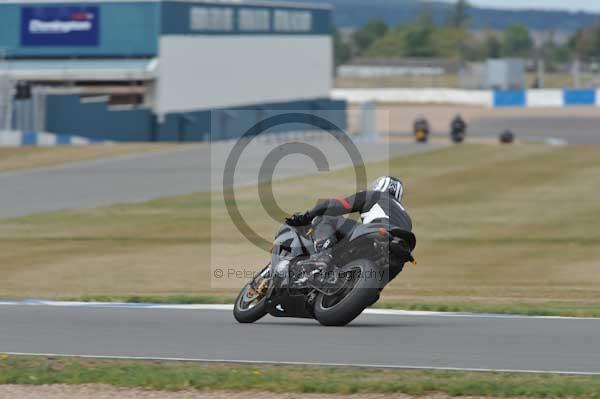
(196, 168)
(573, 125)
(141, 177)
(576, 130)
(392, 339)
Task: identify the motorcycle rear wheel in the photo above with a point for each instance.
(249, 308)
(361, 290)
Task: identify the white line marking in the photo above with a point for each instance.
(379, 312)
(291, 363)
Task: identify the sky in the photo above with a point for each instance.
(570, 5)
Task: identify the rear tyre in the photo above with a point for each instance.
(364, 282)
(249, 308)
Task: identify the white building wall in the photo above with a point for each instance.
(213, 71)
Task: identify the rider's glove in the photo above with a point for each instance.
(298, 219)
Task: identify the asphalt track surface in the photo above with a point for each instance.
(388, 339)
(196, 168)
(413, 340)
(574, 130)
(189, 169)
(579, 128)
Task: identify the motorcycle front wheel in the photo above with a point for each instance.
(364, 281)
(249, 305)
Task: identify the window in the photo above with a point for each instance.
(211, 19)
(293, 21)
(254, 20)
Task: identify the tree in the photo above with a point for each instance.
(492, 46)
(364, 37)
(341, 49)
(460, 16)
(426, 19)
(418, 37)
(554, 54)
(419, 41)
(391, 45)
(517, 42)
(586, 42)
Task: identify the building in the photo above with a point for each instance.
(505, 74)
(138, 70)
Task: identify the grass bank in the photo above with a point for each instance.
(38, 157)
(157, 375)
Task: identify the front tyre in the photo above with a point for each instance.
(249, 306)
(364, 281)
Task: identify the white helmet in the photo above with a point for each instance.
(389, 184)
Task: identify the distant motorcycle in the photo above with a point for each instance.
(458, 130)
(421, 130)
(367, 259)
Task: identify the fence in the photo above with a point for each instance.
(6, 111)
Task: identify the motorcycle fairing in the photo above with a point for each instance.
(291, 243)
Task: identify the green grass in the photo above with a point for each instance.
(157, 375)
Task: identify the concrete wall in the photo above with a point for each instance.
(69, 115)
(484, 98)
(415, 96)
(224, 71)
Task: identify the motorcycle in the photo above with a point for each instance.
(458, 131)
(421, 130)
(458, 135)
(421, 136)
(366, 260)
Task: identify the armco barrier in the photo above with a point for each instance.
(485, 98)
(416, 96)
(19, 139)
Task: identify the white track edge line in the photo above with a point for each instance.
(381, 312)
(292, 363)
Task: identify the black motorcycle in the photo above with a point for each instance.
(458, 130)
(366, 260)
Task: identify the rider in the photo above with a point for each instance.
(458, 124)
(380, 204)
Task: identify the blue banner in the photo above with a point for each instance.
(60, 26)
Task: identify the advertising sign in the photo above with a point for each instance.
(60, 26)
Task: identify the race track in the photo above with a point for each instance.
(142, 177)
(575, 130)
(390, 339)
